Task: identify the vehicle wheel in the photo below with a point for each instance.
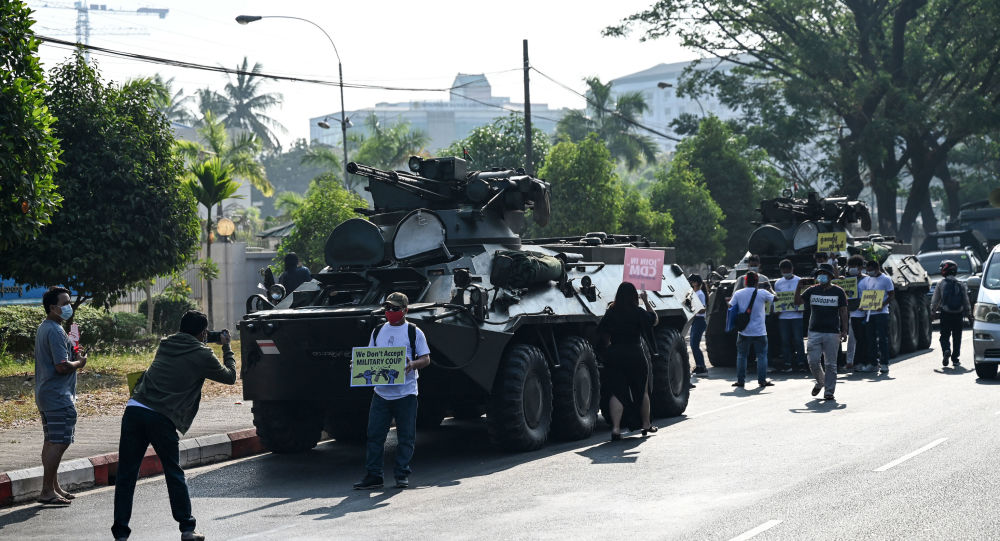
(430, 413)
(347, 420)
(671, 385)
(895, 329)
(576, 390)
(288, 426)
(909, 324)
(986, 370)
(924, 338)
(520, 411)
(721, 349)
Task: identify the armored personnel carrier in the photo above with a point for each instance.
(510, 323)
(789, 229)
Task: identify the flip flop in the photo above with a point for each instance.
(69, 496)
(55, 500)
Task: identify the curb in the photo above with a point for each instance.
(25, 485)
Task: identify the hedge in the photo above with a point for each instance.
(99, 329)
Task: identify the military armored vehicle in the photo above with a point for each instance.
(510, 323)
(789, 229)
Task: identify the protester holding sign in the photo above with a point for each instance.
(827, 328)
(789, 318)
(878, 315)
(395, 401)
(857, 344)
(752, 301)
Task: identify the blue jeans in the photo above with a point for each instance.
(697, 330)
(878, 338)
(743, 345)
(141, 427)
(380, 415)
(791, 342)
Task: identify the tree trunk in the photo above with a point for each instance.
(885, 195)
(208, 281)
(850, 172)
(951, 187)
(928, 218)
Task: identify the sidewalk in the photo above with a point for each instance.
(98, 435)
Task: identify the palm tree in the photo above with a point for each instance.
(389, 147)
(614, 121)
(248, 105)
(240, 154)
(211, 181)
(172, 104)
(210, 101)
(287, 202)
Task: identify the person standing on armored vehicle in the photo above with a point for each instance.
(295, 273)
(753, 265)
(878, 320)
(827, 327)
(790, 321)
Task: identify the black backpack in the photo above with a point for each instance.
(411, 331)
(951, 296)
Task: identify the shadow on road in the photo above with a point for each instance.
(819, 406)
(614, 452)
(24, 515)
(953, 371)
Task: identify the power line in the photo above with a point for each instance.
(624, 118)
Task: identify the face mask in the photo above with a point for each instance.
(394, 316)
(67, 312)
(872, 272)
(789, 276)
(854, 271)
(822, 278)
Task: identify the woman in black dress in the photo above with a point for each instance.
(625, 360)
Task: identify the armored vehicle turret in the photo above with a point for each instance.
(510, 323)
(789, 229)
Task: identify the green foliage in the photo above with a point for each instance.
(638, 217)
(500, 144)
(29, 151)
(167, 312)
(327, 204)
(389, 147)
(697, 218)
(130, 218)
(172, 104)
(238, 154)
(247, 105)
(286, 172)
(98, 328)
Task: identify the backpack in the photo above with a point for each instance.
(519, 269)
(951, 296)
(411, 331)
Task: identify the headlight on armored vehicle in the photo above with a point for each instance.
(987, 313)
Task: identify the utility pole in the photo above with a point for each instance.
(527, 114)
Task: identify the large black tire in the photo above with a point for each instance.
(288, 426)
(347, 421)
(986, 370)
(721, 349)
(909, 322)
(895, 329)
(576, 390)
(671, 384)
(519, 415)
(924, 338)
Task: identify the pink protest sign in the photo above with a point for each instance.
(643, 268)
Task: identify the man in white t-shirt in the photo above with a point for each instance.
(790, 321)
(878, 320)
(755, 334)
(398, 401)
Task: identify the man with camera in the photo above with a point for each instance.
(164, 402)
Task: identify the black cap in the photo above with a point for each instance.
(824, 267)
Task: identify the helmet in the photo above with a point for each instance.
(949, 268)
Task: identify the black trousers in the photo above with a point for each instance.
(951, 325)
(860, 341)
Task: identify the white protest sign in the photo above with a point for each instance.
(643, 268)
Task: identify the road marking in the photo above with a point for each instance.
(759, 529)
(725, 407)
(904, 458)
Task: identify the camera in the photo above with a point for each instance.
(215, 337)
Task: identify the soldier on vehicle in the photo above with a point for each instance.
(877, 335)
(827, 327)
(295, 273)
(951, 303)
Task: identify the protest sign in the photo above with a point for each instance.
(871, 299)
(784, 301)
(849, 285)
(643, 268)
(378, 366)
(831, 242)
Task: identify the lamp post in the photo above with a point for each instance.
(247, 19)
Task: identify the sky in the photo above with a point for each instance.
(381, 42)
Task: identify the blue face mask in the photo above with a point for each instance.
(822, 278)
(67, 312)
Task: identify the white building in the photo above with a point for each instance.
(470, 105)
(658, 85)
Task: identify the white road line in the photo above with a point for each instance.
(759, 529)
(904, 458)
(724, 407)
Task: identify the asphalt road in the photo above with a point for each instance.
(908, 456)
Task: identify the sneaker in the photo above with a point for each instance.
(816, 389)
(884, 368)
(738, 384)
(956, 362)
(192, 536)
(369, 482)
(402, 482)
(828, 397)
(765, 383)
(849, 367)
(944, 361)
(700, 370)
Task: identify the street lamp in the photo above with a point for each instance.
(247, 19)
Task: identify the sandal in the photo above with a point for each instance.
(616, 437)
(650, 429)
(54, 500)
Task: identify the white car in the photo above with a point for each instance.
(986, 328)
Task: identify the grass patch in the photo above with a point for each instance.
(101, 388)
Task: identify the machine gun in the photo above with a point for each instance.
(836, 210)
(442, 183)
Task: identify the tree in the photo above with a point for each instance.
(131, 218)
(172, 104)
(681, 191)
(389, 147)
(639, 218)
(211, 182)
(614, 123)
(500, 144)
(248, 105)
(240, 153)
(288, 202)
(210, 101)
(29, 153)
(327, 204)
